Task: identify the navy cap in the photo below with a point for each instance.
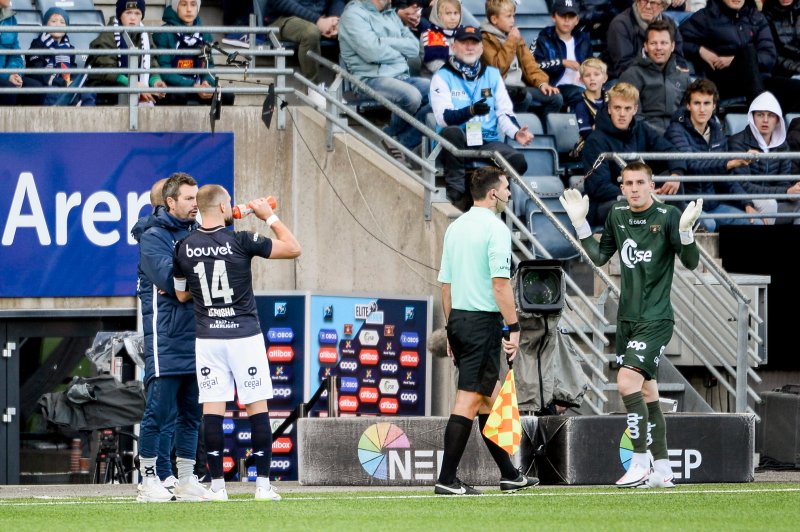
(563, 7)
(465, 33)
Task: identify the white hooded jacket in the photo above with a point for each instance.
(766, 101)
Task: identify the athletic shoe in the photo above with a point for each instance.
(239, 40)
(267, 494)
(151, 490)
(657, 480)
(221, 495)
(190, 490)
(456, 488)
(635, 476)
(520, 483)
(169, 483)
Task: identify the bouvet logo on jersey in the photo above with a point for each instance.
(409, 359)
(368, 357)
(368, 337)
(631, 256)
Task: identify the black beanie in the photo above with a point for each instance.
(124, 5)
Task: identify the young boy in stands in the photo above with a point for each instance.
(594, 74)
(505, 49)
(560, 49)
(57, 40)
(436, 40)
(128, 13)
(186, 13)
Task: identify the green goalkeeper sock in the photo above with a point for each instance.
(637, 420)
(657, 428)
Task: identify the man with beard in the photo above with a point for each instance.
(212, 266)
(472, 111)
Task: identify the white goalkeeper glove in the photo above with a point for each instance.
(577, 208)
(688, 219)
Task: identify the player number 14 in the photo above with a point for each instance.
(219, 282)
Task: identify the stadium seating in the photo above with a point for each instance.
(789, 117)
(548, 188)
(734, 123)
(27, 17)
(564, 128)
(70, 6)
(531, 18)
(540, 154)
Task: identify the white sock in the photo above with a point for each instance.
(663, 467)
(185, 469)
(641, 459)
(217, 484)
(147, 466)
(262, 482)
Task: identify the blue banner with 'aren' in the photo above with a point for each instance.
(69, 200)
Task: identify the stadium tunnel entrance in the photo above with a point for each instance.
(41, 351)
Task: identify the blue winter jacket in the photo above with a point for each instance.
(375, 44)
(309, 10)
(9, 41)
(550, 51)
(682, 134)
(169, 326)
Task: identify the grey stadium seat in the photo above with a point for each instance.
(735, 122)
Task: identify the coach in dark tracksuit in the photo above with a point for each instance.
(169, 336)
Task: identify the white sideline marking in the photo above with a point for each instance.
(534, 493)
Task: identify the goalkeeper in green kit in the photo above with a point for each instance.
(647, 235)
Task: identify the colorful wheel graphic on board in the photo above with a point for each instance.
(625, 449)
(374, 445)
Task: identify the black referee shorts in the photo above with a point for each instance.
(476, 340)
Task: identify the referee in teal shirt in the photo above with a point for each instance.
(477, 298)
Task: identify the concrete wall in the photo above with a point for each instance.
(358, 218)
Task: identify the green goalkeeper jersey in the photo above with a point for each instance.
(647, 242)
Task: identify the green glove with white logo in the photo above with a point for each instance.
(577, 208)
(688, 219)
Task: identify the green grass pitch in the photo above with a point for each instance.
(714, 507)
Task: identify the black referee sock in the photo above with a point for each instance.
(456, 436)
(261, 434)
(501, 458)
(214, 442)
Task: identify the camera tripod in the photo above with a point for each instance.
(108, 468)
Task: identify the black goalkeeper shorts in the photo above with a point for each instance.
(476, 340)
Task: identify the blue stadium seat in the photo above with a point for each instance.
(789, 117)
(564, 127)
(69, 5)
(540, 154)
(475, 7)
(735, 122)
(548, 189)
(23, 5)
(31, 18)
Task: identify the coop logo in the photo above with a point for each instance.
(280, 309)
(327, 355)
(368, 395)
(631, 256)
(348, 366)
(347, 348)
(328, 336)
(636, 346)
(280, 465)
(388, 405)
(385, 453)
(280, 335)
(408, 398)
(368, 357)
(277, 354)
(389, 368)
(363, 311)
(348, 385)
(243, 436)
(228, 426)
(348, 403)
(409, 359)
(409, 339)
(368, 337)
(281, 373)
(282, 445)
(282, 393)
(682, 461)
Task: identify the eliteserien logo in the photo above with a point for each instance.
(631, 256)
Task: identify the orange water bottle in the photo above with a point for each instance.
(240, 211)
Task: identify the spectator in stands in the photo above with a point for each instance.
(661, 83)
(505, 49)
(185, 14)
(626, 35)
(617, 129)
(57, 40)
(10, 41)
(679, 10)
(596, 15)
(730, 43)
(436, 40)
(410, 12)
(697, 130)
(306, 22)
(472, 109)
(375, 47)
(561, 48)
(784, 22)
(593, 75)
(766, 133)
(128, 13)
(237, 13)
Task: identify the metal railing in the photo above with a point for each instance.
(237, 62)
